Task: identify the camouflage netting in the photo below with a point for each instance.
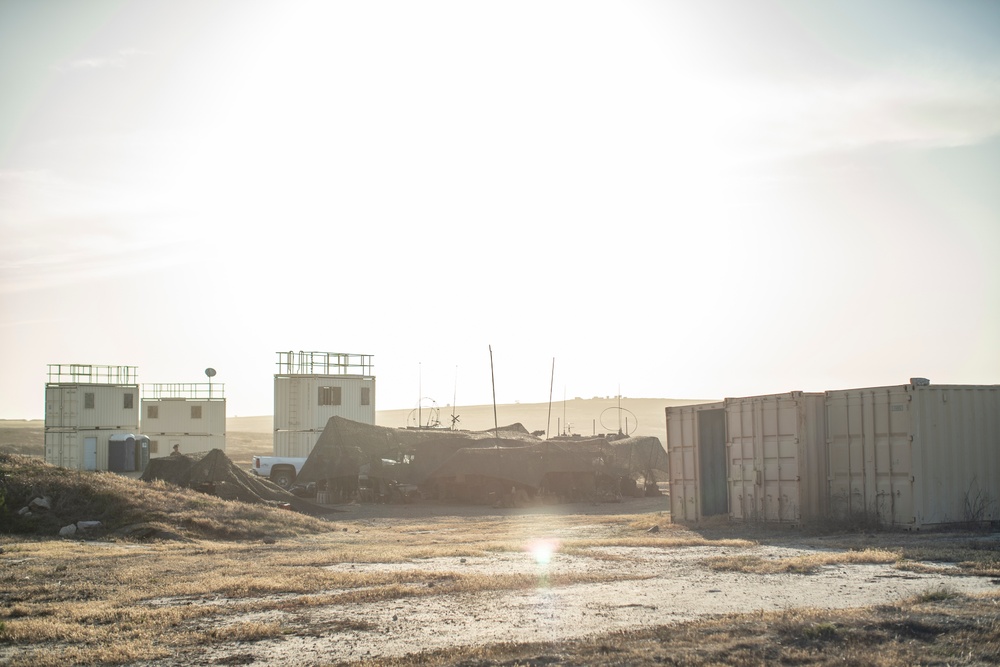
(527, 465)
(346, 445)
(510, 453)
(213, 472)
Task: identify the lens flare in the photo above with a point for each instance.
(543, 550)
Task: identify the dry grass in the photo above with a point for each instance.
(798, 564)
(244, 574)
(940, 631)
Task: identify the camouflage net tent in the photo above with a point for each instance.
(345, 446)
(213, 472)
(475, 465)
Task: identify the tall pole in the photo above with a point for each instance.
(454, 399)
(420, 392)
(493, 381)
(548, 422)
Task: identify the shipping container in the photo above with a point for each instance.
(696, 450)
(88, 406)
(915, 455)
(776, 452)
(183, 416)
(303, 403)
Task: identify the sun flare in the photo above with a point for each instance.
(543, 550)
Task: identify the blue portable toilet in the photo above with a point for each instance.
(121, 453)
(141, 452)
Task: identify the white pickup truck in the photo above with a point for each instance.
(281, 470)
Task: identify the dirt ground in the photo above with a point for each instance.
(648, 587)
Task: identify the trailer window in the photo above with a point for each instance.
(195, 412)
(366, 396)
(88, 400)
(329, 395)
(127, 404)
(152, 412)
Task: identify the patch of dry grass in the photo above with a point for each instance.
(953, 630)
(807, 564)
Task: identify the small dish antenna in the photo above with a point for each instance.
(210, 372)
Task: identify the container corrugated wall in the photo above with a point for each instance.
(301, 402)
(295, 443)
(870, 444)
(183, 416)
(958, 437)
(777, 457)
(915, 456)
(92, 406)
(696, 452)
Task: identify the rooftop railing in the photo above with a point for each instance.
(202, 391)
(324, 363)
(92, 374)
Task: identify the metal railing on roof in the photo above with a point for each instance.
(93, 374)
(324, 363)
(202, 391)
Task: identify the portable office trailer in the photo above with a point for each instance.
(183, 416)
(91, 406)
(312, 387)
(915, 455)
(777, 457)
(696, 450)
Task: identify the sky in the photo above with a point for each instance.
(515, 201)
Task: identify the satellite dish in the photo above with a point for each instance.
(210, 372)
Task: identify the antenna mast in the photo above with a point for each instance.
(548, 422)
(493, 381)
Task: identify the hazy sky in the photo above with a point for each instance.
(670, 199)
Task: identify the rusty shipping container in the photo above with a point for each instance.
(915, 455)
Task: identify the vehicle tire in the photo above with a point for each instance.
(283, 476)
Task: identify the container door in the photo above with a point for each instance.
(681, 452)
(712, 462)
(763, 435)
(870, 449)
(90, 453)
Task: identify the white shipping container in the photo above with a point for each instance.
(295, 443)
(86, 406)
(696, 450)
(306, 402)
(183, 416)
(915, 456)
(777, 457)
